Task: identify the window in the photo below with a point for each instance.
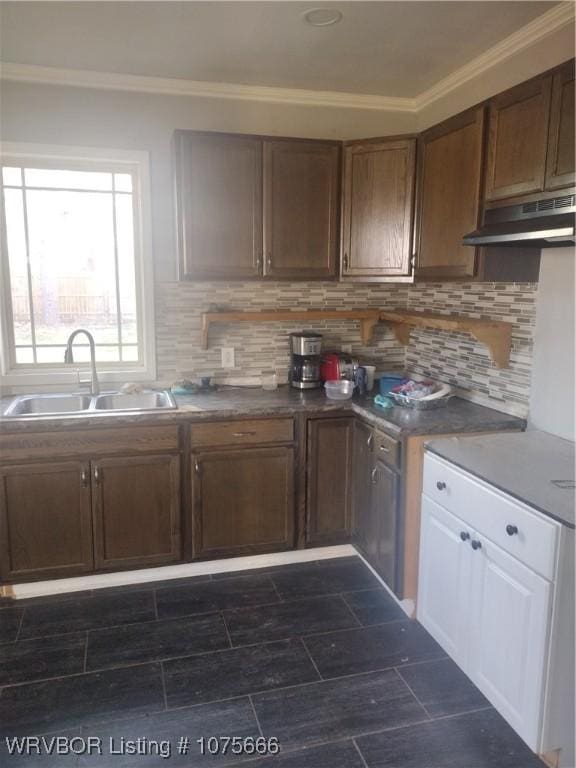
(75, 257)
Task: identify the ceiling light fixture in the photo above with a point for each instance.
(322, 17)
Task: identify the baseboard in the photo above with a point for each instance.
(185, 570)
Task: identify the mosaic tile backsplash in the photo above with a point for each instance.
(452, 357)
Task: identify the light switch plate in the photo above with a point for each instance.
(228, 360)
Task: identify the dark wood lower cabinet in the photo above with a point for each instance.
(136, 510)
(45, 520)
(384, 550)
(243, 501)
(329, 497)
(362, 453)
(376, 508)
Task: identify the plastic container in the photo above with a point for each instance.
(388, 381)
(339, 390)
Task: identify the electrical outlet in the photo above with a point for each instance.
(228, 357)
(346, 349)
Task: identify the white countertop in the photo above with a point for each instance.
(534, 467)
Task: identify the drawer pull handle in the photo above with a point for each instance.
(511, 530)
(440, 485)
(374, 473)
(243, 434)
(384, 449)
(476, 544)
(370, 441)
(464, 535)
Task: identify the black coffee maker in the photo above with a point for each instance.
(305, 352)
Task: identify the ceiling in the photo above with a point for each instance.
(395, 49)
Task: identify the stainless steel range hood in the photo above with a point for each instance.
(546, 223)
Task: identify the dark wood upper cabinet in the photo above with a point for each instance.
(329, 490)
(301, 208)
(243, 501)
(45, 520)
(219, 203)
(560, 161)
(518, 140)
(136, 510)
(377, 209)
(450, 159)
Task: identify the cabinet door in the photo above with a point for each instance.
(136, 510)
(329, 492)
(509, 610)
(449, 193)
(362, 453)
(444, 599)
(243, 501)
(518, 138)
(45, 520)
(560, 161)
(384, 513)
(377, 208)
(219, 191)
(301, 205)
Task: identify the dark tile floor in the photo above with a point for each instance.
(316, 655)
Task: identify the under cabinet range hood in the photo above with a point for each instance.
(546, 223)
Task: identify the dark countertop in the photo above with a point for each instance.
(236, 402)
(524, 465)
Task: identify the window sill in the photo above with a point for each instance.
(16, 381)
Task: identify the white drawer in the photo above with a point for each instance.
(527, 535)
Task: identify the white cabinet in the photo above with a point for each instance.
(488, 604)
(510, 607)
(444, 579)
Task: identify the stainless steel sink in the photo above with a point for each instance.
(42, 405)
(138, 401)
(60, 405)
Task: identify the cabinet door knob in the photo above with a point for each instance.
(511, 530)
(464, 535)
(97, 475)
(370, 440)
(384, 449)
(476, 544)
(269, 261)
(440, 485)
(84, 477)
(345, 262)
(196, 466)
(374, 473)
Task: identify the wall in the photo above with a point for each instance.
(455, 358)
(103, 118)
(552, 395)
(458, 359)
(123, 120)
(261, 347)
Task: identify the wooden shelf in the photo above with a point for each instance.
(368, 318)
(495, 334)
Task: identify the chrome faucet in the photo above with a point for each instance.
(68, 357)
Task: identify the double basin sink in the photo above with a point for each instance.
(59, 405)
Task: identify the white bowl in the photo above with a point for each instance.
(341, 389)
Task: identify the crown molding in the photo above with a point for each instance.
(80, 78)
(543, 26)
(553, 20)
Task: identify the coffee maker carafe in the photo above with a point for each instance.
(305, 353)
